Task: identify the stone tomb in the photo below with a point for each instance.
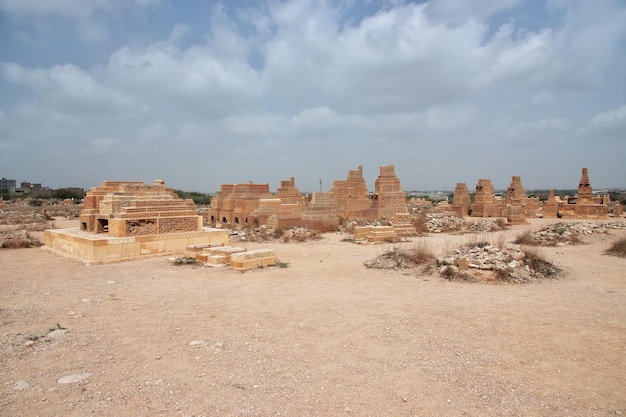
(485, 204)
(388, 198)
(461, 201)
(375, 234)
(322, 213)
(243, 261)
(125, 220)
(586, 205)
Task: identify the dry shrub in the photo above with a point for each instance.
(402, 258)
(421, 252)
(420, 222)
(539, 265)
(453, 274)
(184, 260)
(618, 248)
(18, 241)
(526, 238)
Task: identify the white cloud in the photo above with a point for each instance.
(458, 11)
(71, 88)
(284, 85)
(613, 119)
(195, 79)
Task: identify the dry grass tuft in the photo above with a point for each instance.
(618, 248)
(402, 258)
(526, 238)
(539, 265)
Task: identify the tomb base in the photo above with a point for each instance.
(100, 248)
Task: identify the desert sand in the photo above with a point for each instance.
(324, 336)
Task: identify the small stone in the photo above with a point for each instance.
(462, 264)
(72, 379)
(56, 333)
(21, 385)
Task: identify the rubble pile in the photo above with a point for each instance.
(396, 259)
(264, 233)
(441, 222)
(483, 261)
(257, 234)
(485, 225)
(20, 212)
(300, 234)
(567, 233)
(349, 226)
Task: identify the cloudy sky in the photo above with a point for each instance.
(201, 93)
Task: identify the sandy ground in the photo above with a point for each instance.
(324, 336)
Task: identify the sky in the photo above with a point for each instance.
(203, 93)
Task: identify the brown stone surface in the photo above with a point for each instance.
(352, 196)
(322, 213)
(132, 208)
(236, 203)
(586, 206)
(550, 207)
(388, 198)
(485, 201)
(461, 201)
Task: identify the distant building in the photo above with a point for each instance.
(33, 190)
(7, 186)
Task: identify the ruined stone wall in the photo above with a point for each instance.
(236, 203)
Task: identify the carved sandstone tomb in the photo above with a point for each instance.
(236, 203)
(461, 201)
(388, 198)
(352, 196)
(129, 219)
(322, 213)
(485, 201)
(586, 205)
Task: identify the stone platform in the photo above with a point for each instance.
(100, 248)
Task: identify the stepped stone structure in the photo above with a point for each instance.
(292, 205)
(551, 206)
(129, 219)
(485, 204)
(322, 213)
(348, 199)
(289, 193)
(585, 205)
(236, 203)
(352, 196)
(133, 208)
(617, 209)
(388, 198)
(375, 234)
(461, 202)
(516, 201)
(283, 211)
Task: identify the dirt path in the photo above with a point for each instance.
(324, 336)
